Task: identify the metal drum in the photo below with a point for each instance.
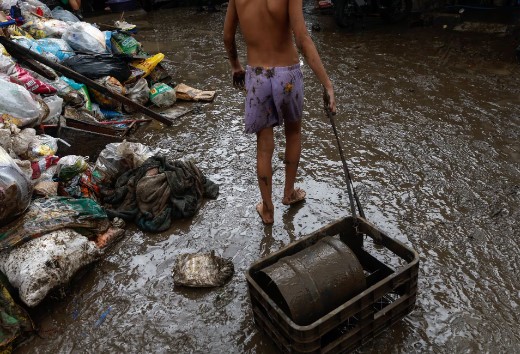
(314, 281)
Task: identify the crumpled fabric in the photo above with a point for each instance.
(158, 192)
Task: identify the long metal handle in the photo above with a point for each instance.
(350, 186)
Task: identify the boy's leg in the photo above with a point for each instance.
(293, 149)
(264, 171)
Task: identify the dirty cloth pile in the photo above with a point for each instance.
(157, 192)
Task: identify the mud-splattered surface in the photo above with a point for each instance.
(430, 121)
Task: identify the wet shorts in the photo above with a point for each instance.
(274, 96)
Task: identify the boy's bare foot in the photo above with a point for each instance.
(296, 196)
(266, 215)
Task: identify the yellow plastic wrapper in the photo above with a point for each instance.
(147, 65)
(14, 30)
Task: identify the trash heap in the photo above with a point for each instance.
(113, 59)
(60, 213)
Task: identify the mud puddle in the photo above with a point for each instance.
(430, 121)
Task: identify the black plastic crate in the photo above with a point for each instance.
(390, 294)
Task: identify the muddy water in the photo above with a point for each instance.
(430, 121)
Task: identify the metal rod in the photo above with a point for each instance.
(350, 186)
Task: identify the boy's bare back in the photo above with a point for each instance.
(266, 28)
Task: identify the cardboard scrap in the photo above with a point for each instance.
(187, 93)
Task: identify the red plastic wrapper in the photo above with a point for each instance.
(22, 77)
(42, 165)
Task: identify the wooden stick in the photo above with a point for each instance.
(39, 68)
(11, 46)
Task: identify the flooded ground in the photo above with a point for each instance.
(430, 121)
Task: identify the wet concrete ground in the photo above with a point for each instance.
(430, 120)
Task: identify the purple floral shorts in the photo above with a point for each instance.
(274, 96)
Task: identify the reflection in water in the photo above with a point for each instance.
(431, 133)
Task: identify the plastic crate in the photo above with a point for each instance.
(390, 294)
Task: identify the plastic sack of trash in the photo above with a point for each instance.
(29, 44)
(57, 47)
(202, 270)
(19, 103)
(71, 166)
(117, 158)
(139, 92)
(41, 146)
(40, 28)
(104, 101)
(60, 13)
(98, 66)
(162, 95)
(34, 7)
(50, 214)
(15, 189)
(43, 264)
(84, 37)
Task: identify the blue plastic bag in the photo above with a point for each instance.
(58, 47)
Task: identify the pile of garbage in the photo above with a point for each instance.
(61, 213)
(33, 93)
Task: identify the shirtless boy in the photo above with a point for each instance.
(273, 30)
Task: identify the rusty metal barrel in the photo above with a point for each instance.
(314, 281)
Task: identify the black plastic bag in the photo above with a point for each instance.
(96, 66)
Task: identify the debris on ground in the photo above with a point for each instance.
(202, 270)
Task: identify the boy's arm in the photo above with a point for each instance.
(230, 28)
(308, 49)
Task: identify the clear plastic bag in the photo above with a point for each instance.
(118, 158)
(19, 103)
(138, 92)
(15, 189)
(84, 37)
(57, 47)
(41, 146)
(40, 28)
(71, 166)
(31, 6)
(60, 13)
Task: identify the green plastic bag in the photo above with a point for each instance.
(124, 44)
